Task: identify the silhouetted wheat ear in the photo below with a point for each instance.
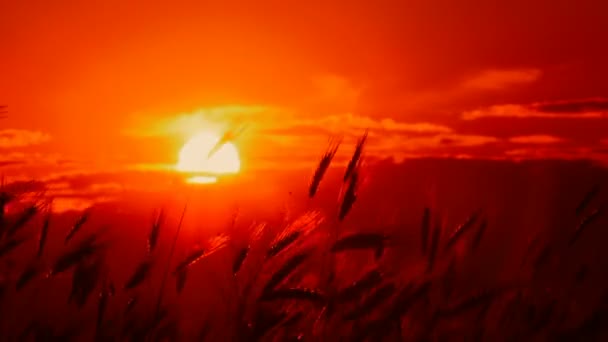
(532, 244)
(155, 231)
(283, 243)
(44, 231)
(180, 280)
(288, 267)
(322, 167)
(190, 259)
(157, 310)
(240, 259)
(84, 280)
(373, 241)
(484, 297)
(354, 160)
(78, 225)
(310, 295)
(407, 297)
(28, 274)
(461, 229)
(131, 302)
(264, 322)
(425, 228)
(479, 234)
(584, 223)
(89, 246)
(543, 258)
(27, 215)
(368, 281)
(9, 245)
(140, 274)
(586, 200)
(434, 247)
(102, 304)
(376, 298)
(350, 195)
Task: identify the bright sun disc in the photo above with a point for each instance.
(193, 157)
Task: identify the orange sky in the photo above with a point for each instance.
(114, 85)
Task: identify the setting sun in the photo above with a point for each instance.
(194, 156)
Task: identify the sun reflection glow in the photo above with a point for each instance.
(201, 180)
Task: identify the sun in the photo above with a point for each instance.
(194, 156)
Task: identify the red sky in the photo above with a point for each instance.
(101, 86)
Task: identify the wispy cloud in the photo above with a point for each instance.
(283, 137)
(565, 153)
(14, 161)
(73, 190)
(14, 138)
(535, 139)
(593, 105)
(350, 124)
(270, 120)
(484, 81)
(464, 140)
(215, 119)
(378, 146)
(501, 79)
(64, 204)
(574, 109)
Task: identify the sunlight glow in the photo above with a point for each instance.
(201, 180)
(193, 157)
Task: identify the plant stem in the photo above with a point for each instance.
(164, 281)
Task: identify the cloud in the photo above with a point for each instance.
(565, 153)
(470, 86)
(574, 109)
(594, 105)
(559, 152)
(284, 138)
(216, 119)
(33, 163)
(65, 197)
(5, 163)
(501, 79)
(23, 186)
(535, 139)
(303, 140)
(64, 204)
(13, 138)
(73, 190)
(350, 124)
(435, 142)
(271, 120)
(463, 140)
(308, 149)
(10, 162)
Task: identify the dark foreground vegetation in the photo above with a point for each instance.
(308, 276)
